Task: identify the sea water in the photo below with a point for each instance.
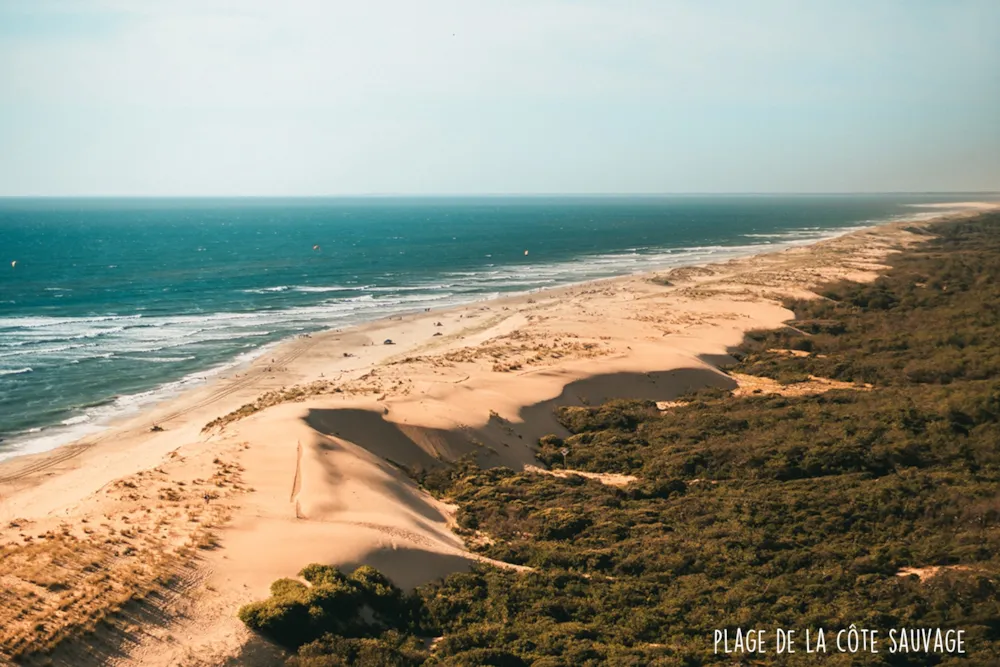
(115, 303)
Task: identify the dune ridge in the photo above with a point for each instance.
(305, 455)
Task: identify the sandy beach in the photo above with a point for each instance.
(154, 538)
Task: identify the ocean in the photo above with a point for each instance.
(107, 305)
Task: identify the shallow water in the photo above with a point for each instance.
(116, 303)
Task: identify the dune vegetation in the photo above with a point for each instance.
(878, 508)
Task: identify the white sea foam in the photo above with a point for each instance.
(15, 371)
(133, 338)
(96, 418)
(265, 290)
(39, 322)
(79, 419)
(409, 288)
(319, 289)
(19, 353)
(36, 340)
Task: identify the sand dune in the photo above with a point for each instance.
(302, 457)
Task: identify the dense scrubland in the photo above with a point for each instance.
(763, 511)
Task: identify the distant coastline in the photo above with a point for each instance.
(161, 355)
(308, 445)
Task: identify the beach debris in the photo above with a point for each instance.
(13, 264)
(438, 333)
(316, 247)
(388, 341)
(438, 324)
(155, 428)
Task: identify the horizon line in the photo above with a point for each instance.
(374, 195)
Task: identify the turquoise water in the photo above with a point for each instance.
(115, 303)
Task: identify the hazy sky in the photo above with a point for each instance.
(254, 97)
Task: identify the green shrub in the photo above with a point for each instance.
(762, 510)
(363, 604)
(390, 649)
(486, 656)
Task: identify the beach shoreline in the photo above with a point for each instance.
(173, 396)
(321, 462)
(82, 357)
(99, 418)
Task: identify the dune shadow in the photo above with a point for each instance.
(397, 443)
(409, 568)
(399, 485)
(539, 419)
(719, 360)
(499, 442)
(141, 622)
(257, 652)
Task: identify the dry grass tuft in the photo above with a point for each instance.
(64, 580)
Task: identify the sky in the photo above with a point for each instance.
(302, 97)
